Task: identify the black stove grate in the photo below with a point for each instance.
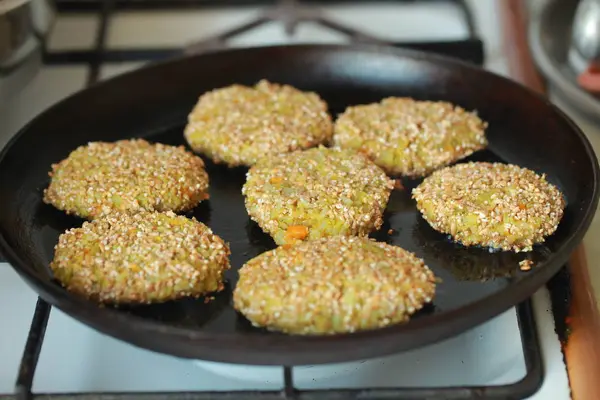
(470, 49)
(519, 390)
(289, 12)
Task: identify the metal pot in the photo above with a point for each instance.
(24, 25)
(584, 52)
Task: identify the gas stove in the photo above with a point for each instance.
(514, 355)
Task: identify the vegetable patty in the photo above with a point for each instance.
(238, 125)
(141, 258)
(495, 205)
(333, 285)
(409, 137)
(127, 176)
(316, 193)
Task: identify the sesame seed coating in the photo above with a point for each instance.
(495, 205)
(409, 137)
(333, 285)
(140, 258)
(126, 176)
(316, 193)
(237, 125)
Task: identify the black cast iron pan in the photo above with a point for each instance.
(154, 102)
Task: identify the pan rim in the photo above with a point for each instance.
(124, 326)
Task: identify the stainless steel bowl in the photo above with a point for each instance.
(584, 51)
(550, 31)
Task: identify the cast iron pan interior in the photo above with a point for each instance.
(154, 102)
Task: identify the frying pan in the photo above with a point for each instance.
(154, 102)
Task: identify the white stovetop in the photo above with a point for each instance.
(76, 358)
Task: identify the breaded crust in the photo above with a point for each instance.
(141, 258)
(408, 137)
(127, 176)
(333, 285)
(237, 125)
(316, 193)
(495, 205)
